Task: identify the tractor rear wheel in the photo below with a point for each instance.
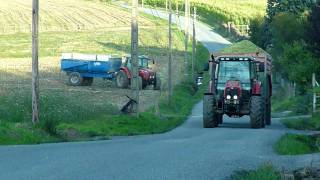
(75, 79)
(210, 118)
(122, 80)
(257, 112)
(157, 83)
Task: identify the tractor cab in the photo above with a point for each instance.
(147, 76)
(240, 84)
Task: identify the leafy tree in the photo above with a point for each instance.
(298, 64)
(313, 30)
(257, 30)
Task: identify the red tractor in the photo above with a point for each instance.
(240, 85)
(147, 76)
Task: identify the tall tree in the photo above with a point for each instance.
(313, 30)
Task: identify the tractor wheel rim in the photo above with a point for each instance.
(74, 79)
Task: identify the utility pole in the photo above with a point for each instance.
(170, 55)
(135, 57)
(35, 63)
(194, 42)
(187, 23)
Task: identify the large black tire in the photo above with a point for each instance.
(268, 114)
(75, 79)
(157, 83)
(87, 81)
(122, 80)
(210, 118)
(257, 112)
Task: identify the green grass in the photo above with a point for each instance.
(312, 123)
(293, 144)
(298, 105)
(265, 172)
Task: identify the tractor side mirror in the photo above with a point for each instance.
(206, 67)
(260, 67)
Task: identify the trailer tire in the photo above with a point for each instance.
(75, 79)
(257, 112)
(157, 83)
(87, 81)
(210, 118)
(122, 80)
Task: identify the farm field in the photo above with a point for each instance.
(84, 27)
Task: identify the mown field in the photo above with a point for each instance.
(87, 27)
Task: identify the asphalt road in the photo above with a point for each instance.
(187, 152)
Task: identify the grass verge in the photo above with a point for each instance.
(312, 123)
(294, 144)
(265, 172)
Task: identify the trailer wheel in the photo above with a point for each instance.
(257, 112)
(210, 118)
(75, 79)
(122, 80)
(87, 81)
(157, 83)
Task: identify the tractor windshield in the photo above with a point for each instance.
(144, 62)
(234, 70)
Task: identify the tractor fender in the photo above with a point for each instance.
(256, 88)
(126, 71)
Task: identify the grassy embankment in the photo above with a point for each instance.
(220, 12)
(69, 113)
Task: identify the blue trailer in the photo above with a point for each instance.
(82, 68)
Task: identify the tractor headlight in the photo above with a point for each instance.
(228, 97)
(235, 97)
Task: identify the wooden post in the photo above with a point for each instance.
(314, 101)
(194, 43)
(135, 56)
(186, 38)
(170, 55)
(35, 63)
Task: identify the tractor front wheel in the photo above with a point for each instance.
(257, 112)
(75, 79)
(122, 80)
(210, 117)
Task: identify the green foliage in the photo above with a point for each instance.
(257, 30)
(294, 144)
(312, 123)
(297, 105)
(313, 30)
(298, 64)
(265, 172)
(23, 133)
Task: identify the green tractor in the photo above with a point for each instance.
(240, 84)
